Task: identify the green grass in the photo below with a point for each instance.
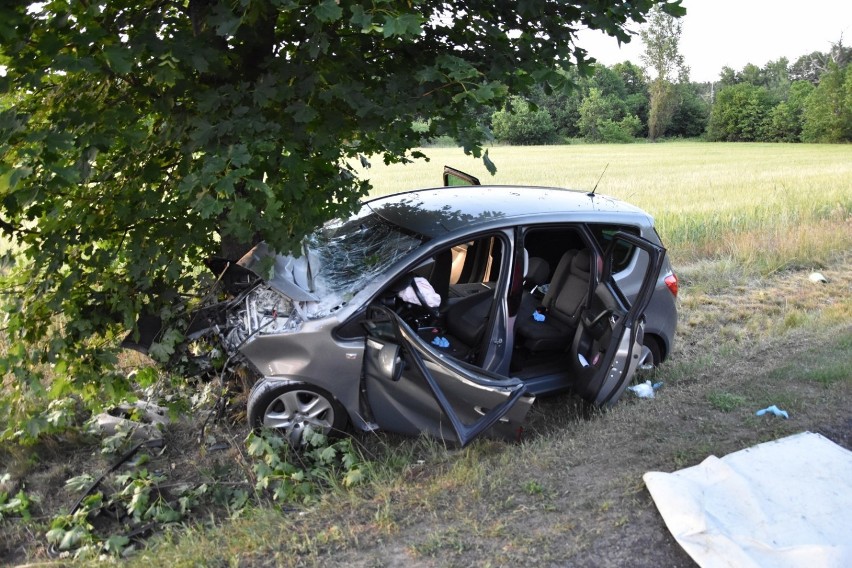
(725, 401)
(827, 365)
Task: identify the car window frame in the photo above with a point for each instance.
(634, 230)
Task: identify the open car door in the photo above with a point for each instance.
(608, 343)
(453, 176)
(412, 387)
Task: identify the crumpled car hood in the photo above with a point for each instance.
(286, 274)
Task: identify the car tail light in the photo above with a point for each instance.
(671, 282)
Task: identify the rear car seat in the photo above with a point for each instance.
(561, 306)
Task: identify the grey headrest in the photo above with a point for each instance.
(581, 261)
(537, 271)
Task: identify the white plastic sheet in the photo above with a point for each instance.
(786, 503)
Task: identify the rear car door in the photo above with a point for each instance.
(412, 387)
(453, 176)
(608, 343)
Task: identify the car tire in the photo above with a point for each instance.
(295, 408)
(651, 355)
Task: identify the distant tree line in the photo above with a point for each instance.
(808, 101)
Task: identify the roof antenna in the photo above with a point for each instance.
(592, 193)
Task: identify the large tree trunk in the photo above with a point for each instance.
(234, 249)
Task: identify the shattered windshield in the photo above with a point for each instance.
(353, 253)
(338, 261)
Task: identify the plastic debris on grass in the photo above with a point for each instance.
(772, 410)
(646, 389)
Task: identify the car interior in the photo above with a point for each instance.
(556, 294)
(552, 305)
(465, 278)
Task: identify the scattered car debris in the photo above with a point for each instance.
(142, 419)
(645, 390)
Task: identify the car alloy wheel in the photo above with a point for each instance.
(295, 409)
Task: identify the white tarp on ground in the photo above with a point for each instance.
(782, 504)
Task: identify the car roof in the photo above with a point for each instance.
(437, 211)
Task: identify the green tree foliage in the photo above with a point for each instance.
(608, 81)
(604, 107)
(800, 92)
(620, 132)
(608, 96)
(146, 135)
(776, 76)
(752, 74)
(740, 113)
(808, 67)
(828, 110)
(727, 77)
(519, 123)
(664, 104)
(776, 114)
(787, 118)
(783, 124)
(690, 118)
(563, 107)
(596, 110)
(662, 54)
(766, 104)
(636, 93)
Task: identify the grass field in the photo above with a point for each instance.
(744, 225)
(765, 207)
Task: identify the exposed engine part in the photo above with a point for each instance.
(262, 312)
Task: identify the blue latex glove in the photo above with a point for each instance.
(538, 316)
(774, 410)
(441, 342)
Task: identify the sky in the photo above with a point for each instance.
(719, 33)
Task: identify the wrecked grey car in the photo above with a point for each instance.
(447, 311)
